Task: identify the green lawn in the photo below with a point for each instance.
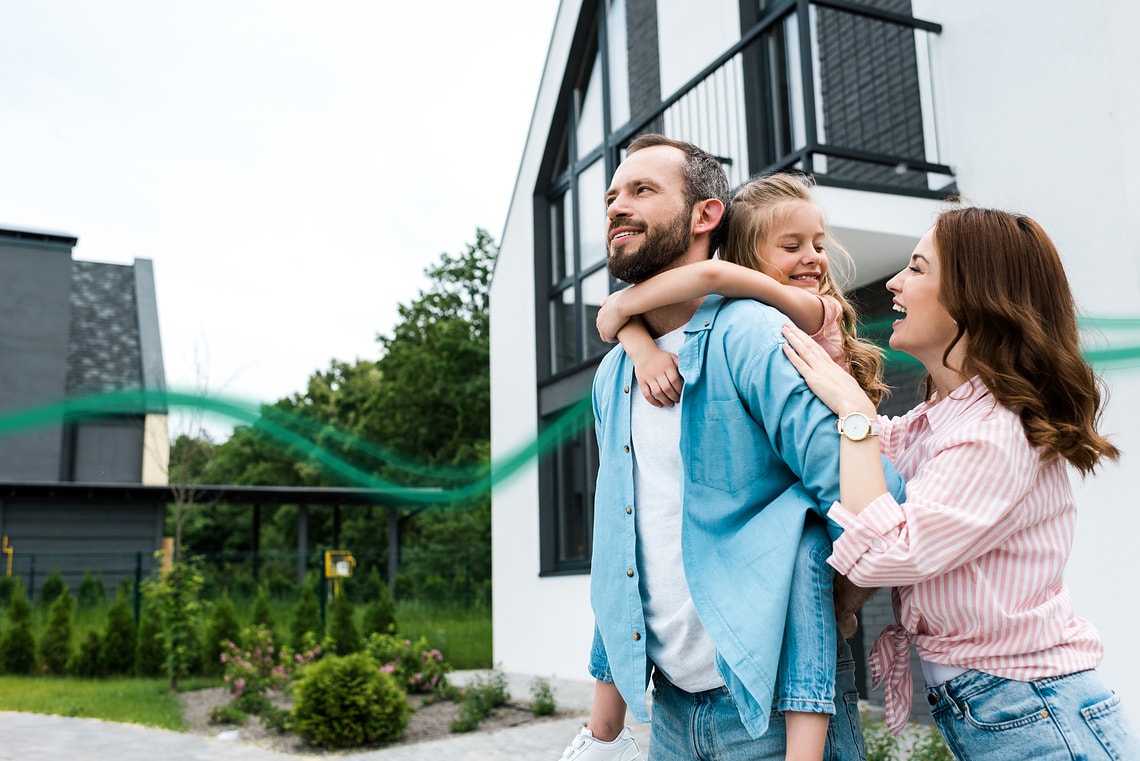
(136, 701)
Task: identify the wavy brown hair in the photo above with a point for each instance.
(757, 210)
(1002, 281)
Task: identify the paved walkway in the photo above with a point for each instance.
(28, 737)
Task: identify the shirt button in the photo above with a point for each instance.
(877, 544)
(628, 510)
(626, 448)
(636, 636)
(627, 389)
(629, 572)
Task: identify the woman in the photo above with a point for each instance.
(977, 550)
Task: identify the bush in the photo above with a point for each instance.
(342, 626)
(260, 666)
(221, 627)
(117, 655)
(8, 586)
(262, 615)
(86, 660)
(542, 697)
(243, 586)
(483, 695)
(280, 587)
(347, 702)
(228, 713)
(415, 666)
(307, 614)
(92, 591)
(931, 747)
(380, 613)
(53, 587)
(150, 655)
(18, 645)
(55, 647)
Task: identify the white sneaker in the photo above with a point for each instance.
(586, 748)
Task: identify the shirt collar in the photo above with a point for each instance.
(940, 412)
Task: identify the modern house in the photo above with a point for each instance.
(71, 330)
(893, 106)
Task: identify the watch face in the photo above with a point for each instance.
(856, 427)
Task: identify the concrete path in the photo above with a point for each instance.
(28, 737)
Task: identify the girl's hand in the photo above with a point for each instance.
(830, 382)
(659, 379)
(611, 318)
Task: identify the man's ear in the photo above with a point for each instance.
(707, 215)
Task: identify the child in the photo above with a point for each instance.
(774, 252)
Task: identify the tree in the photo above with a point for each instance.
(55, 646)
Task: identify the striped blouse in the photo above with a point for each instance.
(976, 553)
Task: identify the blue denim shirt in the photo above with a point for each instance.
(759, 452)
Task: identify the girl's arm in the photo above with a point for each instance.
(701, 279)
(657, 375)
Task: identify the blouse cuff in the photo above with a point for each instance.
(872, 531)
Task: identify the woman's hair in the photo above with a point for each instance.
(757, 211)
(1002, 281)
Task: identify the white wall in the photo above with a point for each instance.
(1039, 107)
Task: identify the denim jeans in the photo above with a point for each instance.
(704, 726)
(1058, 718)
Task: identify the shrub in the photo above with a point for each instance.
(228, 713)
(53, 587)
(175, 592)
(483, 695)
(243, 586)
(55, 647)
(380, 613)
(931, 747)
(415, 666)
(92, 591)
(880, 744)
(307, 614)
(280, 587)
(86, 660)
(347, 702)
(221, 627)
(262, 615)
(342, 627)
(8, 586)
(117, 655)
(542, 697)
(150, 654)
(18, 645)
(260, 666)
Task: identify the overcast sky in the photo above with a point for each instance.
(290, 168)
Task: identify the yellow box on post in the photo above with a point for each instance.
(338, 565)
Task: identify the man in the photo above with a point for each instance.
(700, 507)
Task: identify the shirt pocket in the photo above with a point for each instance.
(726, 449)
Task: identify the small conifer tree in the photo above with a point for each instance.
(55, 647)
(306, 614)
(18, 645)
(117, 648)
(221, 627)
(342, 626)
(262, 615)
(150, 654)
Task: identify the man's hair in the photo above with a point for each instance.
(1003, 283)
(703, 174)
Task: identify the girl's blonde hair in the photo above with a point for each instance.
(757, 210)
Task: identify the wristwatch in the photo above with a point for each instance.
(856, 426)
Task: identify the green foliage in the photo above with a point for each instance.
(8, 585)
(55, 646)
(483, 695)
(342, 626)
(542, 697)
(307, 613)
(53, 587)
(416, 666)
(18, 645)
(176, 595)
(346, 702)
(86, 660)
(262, 614)
(931, 747)
(380, 613)
(259, 665)
(125, 700)
(880, 744)
(221, 627)
(92, 591)
(118, 644)
(150, 655)
(228, 713)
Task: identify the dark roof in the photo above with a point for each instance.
(220, 493)
(103, 349)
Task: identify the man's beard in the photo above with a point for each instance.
(659, 250)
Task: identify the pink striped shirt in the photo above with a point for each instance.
(976, 553)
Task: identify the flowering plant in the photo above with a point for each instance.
(260, 666)
(414, 665)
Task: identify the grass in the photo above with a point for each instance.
(135, 701)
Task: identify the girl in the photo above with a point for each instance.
(977, 550)
(774, 252)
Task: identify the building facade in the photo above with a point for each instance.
(71, 330)
(894, 106)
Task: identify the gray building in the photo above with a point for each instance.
(70, 333)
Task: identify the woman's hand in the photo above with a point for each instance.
(611, 318)
(830, 382)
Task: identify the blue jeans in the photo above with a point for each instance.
(1058, 718)
(704, 726)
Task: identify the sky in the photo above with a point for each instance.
(289, 168)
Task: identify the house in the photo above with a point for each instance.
(69, 330)
(892, 105)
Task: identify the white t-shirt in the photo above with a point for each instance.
(677, 642)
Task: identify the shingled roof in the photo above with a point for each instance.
(103, 349)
